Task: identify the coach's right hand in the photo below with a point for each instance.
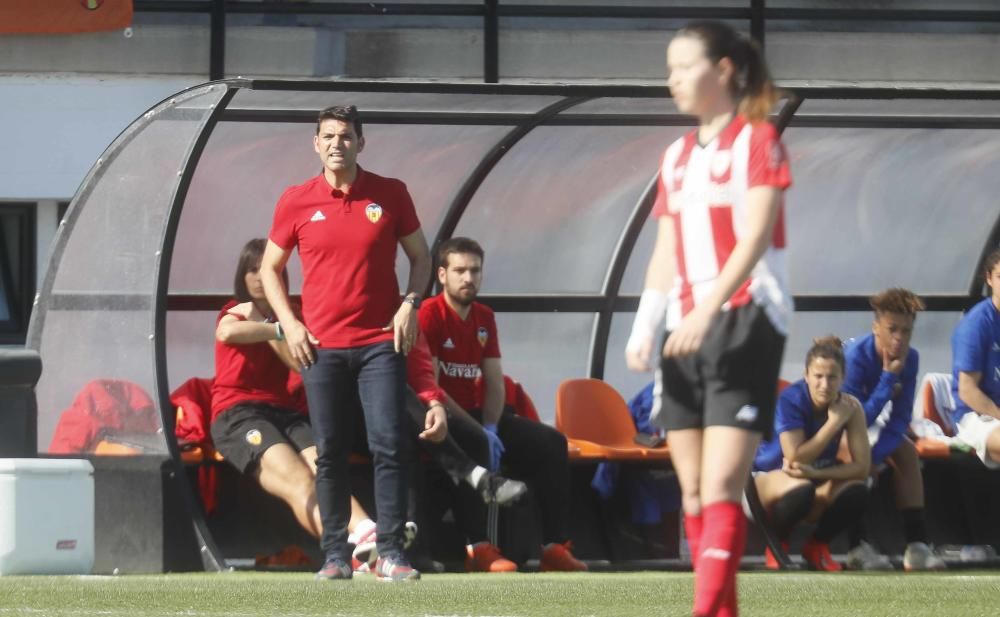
(300, 344)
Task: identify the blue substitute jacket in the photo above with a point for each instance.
(875, 388)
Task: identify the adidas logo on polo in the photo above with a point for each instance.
(448, 344)
(318, 216)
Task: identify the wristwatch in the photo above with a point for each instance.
(413, 299)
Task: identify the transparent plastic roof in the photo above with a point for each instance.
(95, 318)
(239, 173)
(553, 181)
(595, 176)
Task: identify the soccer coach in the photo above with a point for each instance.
(346, 223)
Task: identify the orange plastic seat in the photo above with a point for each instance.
(198, 454)
(112, 448)
(932, 448)
(598, 425)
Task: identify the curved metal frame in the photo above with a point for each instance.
(490, 160)
(86, 187)
(210, 553)
(613, 279)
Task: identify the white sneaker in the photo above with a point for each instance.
(865, 557)
(409, 533)
(919, 556)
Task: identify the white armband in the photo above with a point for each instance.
(649, 319)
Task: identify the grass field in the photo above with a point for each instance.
(646, 593)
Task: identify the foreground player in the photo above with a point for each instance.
(719, 264)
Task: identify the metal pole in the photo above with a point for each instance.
(491, 42)
(757, 21)
(217, 43)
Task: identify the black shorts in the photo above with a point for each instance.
(244, 432)
(731, 381)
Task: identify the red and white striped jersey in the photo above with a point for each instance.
(704, 190)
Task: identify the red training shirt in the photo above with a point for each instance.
(420, 373)
(253, 372)
(460, 346)
(347, 244)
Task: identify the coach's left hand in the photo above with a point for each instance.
(404, 327)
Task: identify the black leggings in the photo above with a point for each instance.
(847, 508)
(793, 506)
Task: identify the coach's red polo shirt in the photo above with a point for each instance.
(459, 345)
(347, 244)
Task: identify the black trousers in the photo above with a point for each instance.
(536, 454)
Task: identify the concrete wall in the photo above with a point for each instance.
(54, 127)
(634, 54)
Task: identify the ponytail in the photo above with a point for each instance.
(751, 86)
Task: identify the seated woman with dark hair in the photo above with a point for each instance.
(260, 423)
(798, 474)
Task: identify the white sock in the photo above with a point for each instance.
(475, 476)
(361, 530)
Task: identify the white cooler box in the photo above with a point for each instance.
(46, 516)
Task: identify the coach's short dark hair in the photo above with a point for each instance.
(344, 113)
(458, 245)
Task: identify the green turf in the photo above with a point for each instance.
(634, 594)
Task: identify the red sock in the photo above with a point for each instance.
(692, 529)
(729, 606)
(722, 544)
